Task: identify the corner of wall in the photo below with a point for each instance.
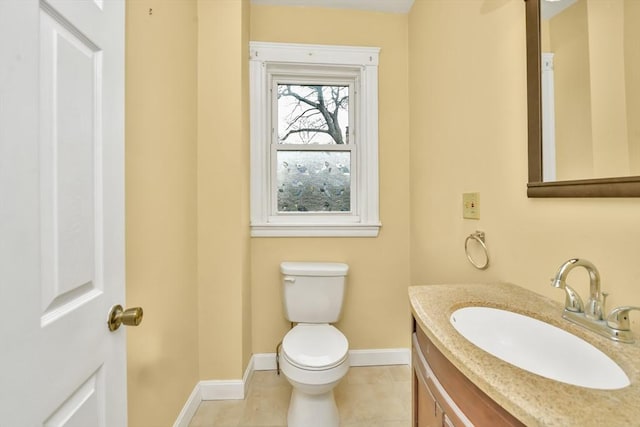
(223, 190)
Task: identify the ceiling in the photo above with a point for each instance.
(393, 6)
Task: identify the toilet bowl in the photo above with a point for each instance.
(314, 358)
(314, 355)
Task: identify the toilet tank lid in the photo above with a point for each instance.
(314, 268)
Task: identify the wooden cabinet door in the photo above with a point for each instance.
(429, 412)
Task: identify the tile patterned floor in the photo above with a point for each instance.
(376, 396)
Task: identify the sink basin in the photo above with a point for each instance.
(538, 347)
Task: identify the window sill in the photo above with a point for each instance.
(315, 230)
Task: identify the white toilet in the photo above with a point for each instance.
(314, 355)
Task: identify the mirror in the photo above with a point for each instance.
(595, 106)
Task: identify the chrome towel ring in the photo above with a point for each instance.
(478, 236)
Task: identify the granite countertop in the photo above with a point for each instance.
(534, 400)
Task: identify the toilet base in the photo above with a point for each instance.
(312, 410)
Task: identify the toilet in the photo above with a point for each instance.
(314, 355)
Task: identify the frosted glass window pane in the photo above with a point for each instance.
(313, 114)
(314, 181)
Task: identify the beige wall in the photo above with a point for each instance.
(376, 310)
(469, 133)
(596, 88)
(569, 41)
(632, 77)
(161, 207)
(223, 189)
(608, 88)
(187, 252)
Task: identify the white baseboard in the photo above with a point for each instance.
(373, 357)
(189, 409)
(237, 389)
(248, 374)
(264, 361)
(222, 389)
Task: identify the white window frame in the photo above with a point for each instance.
(358, 65)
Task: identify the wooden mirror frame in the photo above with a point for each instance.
(602, 187)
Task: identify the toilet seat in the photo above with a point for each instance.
(315, 347)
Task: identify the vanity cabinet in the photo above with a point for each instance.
(443, 396)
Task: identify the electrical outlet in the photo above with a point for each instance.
(471, 205)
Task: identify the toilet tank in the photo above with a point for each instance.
(313, 292)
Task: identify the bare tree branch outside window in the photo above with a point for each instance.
(313, 114)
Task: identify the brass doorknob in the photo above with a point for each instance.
(119, 316)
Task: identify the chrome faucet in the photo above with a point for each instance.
(616, 326)
(595, 304)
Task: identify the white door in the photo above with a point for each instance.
(61, 212)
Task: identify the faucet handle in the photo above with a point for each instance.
(619, 318)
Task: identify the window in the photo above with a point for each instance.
(314, 140)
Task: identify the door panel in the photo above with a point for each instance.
(85, 407)
(70, 192)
